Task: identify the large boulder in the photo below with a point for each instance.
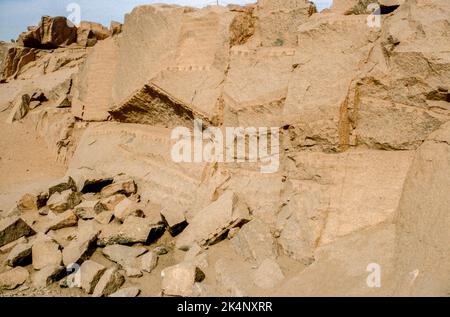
(52, 32)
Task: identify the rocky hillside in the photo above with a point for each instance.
(92, 201)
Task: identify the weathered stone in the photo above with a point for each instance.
(149, 261)
(16, 59)
(125, 208)
(88, 209)
(48, 275)
(52, 32)
(8, 247)
(32, 202)
(175, 220)
(126, 187)
(126, 292)
(104, 217)
(62, 186)
(179, 280)
(11, 279)
(20, 255)
(210, 224)
(234, 276)
(109, 283)
(20, 108)
(255, 242)
(133, 230)
(161, 250)
(45, 252)
(13, 228)
(268, 275)
(63, 220)
(60, 202)
(111, 202)
(123, 255)
(115, 28)
(81, 247)
(133, 272)
(90, 274)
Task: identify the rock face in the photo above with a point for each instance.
(52, 32)
(360, 105)
(423, 219)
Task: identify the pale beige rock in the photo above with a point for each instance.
(342, 267)
(48, 275)
(126, 187)
(126, 208)
(104, 217)
(8, 247)
(81, 247)
(213, 221)
(179, 280)
(422, 249)
(13, 278)
(126, 292)
(45, 252)
(60, 202)
(88, 209)
(149, 261)
(32, 202)
(268, 275)
(63, 220)
(133, 230)
(175, 220)
(255, 242)
(123, 255)
(90, 274)
(109, 283)
(19, 255)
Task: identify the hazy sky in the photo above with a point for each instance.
(16, 15)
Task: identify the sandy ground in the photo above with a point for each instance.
(25, 162)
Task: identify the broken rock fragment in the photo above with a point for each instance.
(210, 224)
(11, 279)
(88, 209)
(20, 255)
(126, 187)
(125, 208)
(60, 202)
(81, 247)
(48, 275)
(255, 242)
(175, 220)
(62, 185)
(133, 230)
(13, 228)
(32, 202)
(149, 261)
(64, 220)
(109, 283)
(45, 252)
(90, 274)
(179, 280)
